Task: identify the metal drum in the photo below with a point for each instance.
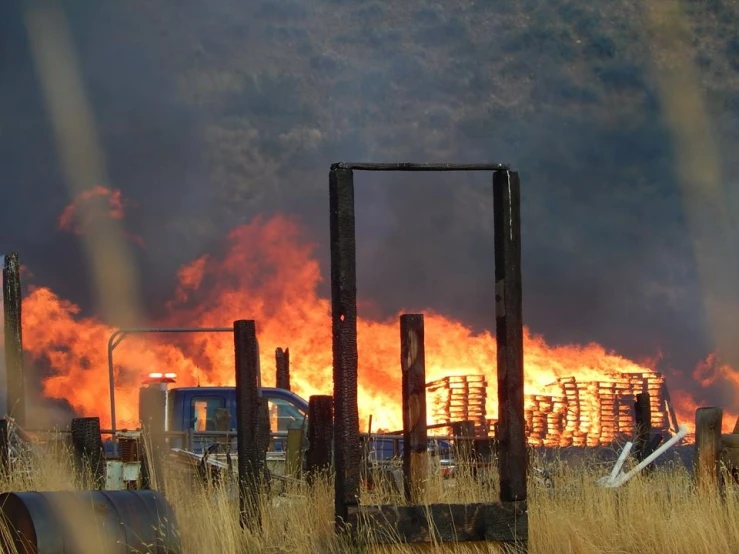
(88, 522)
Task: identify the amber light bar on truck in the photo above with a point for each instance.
(157, 377)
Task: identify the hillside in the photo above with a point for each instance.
(213, 112)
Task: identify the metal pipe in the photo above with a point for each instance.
(621, 479)
(117, 337)
(621, 460)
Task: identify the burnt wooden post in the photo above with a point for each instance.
(509, 335)
(320, 435)
(707, 446)
(250, 442)
(415, 434)
(643, 427)
(347, 451)
(88, 449)
(282, 361)
(14, 372)
(4, 447)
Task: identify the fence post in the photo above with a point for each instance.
(14, 370)
(282, 361)
(249, 432)
(707, 447)
(512, 457)
(643, 427)
(320, 435)
(415, 434)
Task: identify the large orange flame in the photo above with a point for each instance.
(269, 273)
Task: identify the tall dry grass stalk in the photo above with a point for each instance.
(660, 513)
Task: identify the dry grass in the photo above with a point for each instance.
(661, 513)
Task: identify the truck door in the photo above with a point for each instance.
(283, 415)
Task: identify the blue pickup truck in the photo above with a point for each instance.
(200, 411)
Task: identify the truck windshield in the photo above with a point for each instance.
(284, 415)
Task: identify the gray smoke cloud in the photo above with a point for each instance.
(212, 114)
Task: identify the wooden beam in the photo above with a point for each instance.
(447, 523)
(415, 435)
(347, 450)
(509, 335)
(404, 166)
(248, 418)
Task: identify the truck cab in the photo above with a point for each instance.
(197, 417)
(213, 409)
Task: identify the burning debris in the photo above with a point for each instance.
(594, 413)
(575, 413)
(458, 398)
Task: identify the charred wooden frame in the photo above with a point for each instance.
(505, 520)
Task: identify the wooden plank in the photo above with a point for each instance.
(447, 523)
(415, 166)
(415, 434)
(509, 335)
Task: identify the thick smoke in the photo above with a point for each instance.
(211, 114)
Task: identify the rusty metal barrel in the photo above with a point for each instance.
(87, 522)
